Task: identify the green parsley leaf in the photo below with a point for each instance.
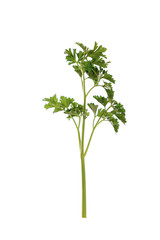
(113, 121)
(119, 111)
(70, 56)
(97, 52)
(65, 102)
(108, 116)
(100, 62)
(76, 110)
(95, 46)
(68, 105)
(100, 112)
(101, 100)
(91, 71)
(107, 76)
(93, 107)
(80, 55)
(82, 46)
(77, 70)
(108, 87)
(52, 102)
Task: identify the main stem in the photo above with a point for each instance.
(82, 155)
(83, 188)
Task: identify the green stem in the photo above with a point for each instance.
(92, 88)
(93, 120)
(109, 107)
(100, 122)
(79, 138)
(79, 122)
(81, 71)
(82, 155)
(94, 127)
(83, 187)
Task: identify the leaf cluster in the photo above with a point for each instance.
(117, 111)
(91, 61)
(67, 105)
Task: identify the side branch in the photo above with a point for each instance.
(77, 127)
(94, 127)
(92, 88)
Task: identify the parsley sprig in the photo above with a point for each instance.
(89, 64)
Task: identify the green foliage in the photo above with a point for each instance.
(100, 62)
(95, 67)
(113, 121)
(91, 70)
(67, 105)
(78, 70)
(89, 64)
(70, 56)
(92, 62)
(82, 46)
(101, 100)
(108, 87)
(52, 102)
(107, 76)
(76, 110)
(119, 111)
(95, 46)
(108, 116)
(80, 55)
(93, 107)
(65, 102)
(101, 112)
(97, 51)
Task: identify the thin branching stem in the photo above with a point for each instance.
(93, 129)
(79, 138)
(93, 120)
(79, 122)
(92, 88)
(109, 107)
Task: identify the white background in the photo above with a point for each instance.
(40, 172)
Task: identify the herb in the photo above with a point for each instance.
(89, 64)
